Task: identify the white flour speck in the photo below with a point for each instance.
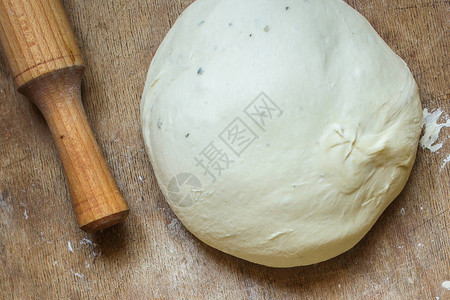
(432, 130)
(446, 285)
(87, 264)
(446, 161)
(55, 263)
(420, 245)
(85, 241)
(401, 247)
(339, 285)
(69, 245)
(77, 274)
(403, 211)
(44, 239)
(25, 214)
(421, 208)
(174, 225)
(140, 178)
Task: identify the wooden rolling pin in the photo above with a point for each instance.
(47, 67)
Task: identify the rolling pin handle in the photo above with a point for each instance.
(47, 67)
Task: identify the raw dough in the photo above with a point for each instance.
(279, 131)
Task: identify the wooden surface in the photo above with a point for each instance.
(45, 256)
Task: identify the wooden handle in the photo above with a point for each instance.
(47, 67)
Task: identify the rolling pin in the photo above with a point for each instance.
(47, 67)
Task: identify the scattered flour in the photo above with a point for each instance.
(174, 226)
(432, 130)
(69, 245)
(25, 214)
(44, 240)
(77, 274)
(95, 251)
(446, 285)
(85, 241)
(446, 161)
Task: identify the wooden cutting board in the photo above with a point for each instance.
(44, 256)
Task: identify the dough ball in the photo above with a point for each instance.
(279, 131)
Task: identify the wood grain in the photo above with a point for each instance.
(36, 38)
(405, 256)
